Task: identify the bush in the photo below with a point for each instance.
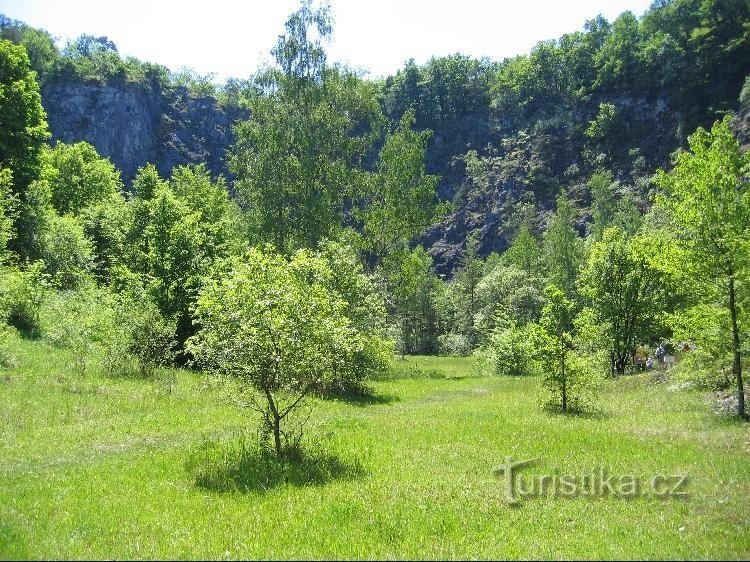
(140, 341)
(78, 321)
(67, 252)
(22, 292)
(454, 345)
(580, 384)
(509, 352)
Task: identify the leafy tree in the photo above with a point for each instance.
(524, 252)
(467, 278)
(23, 131)
(67, 253)
(177, 230)
(562, 248)
(370, 350)
(708, 199)
(402, 203)
(627, 292)
(265, 322)
(567, 374)
(414, 288)
(298, 160)
(106, 225)
(79, 177)
(509, 293)
(8, 204)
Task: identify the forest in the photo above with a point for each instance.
(571, 220)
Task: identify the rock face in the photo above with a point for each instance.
(133, 124)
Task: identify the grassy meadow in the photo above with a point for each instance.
(95, 467)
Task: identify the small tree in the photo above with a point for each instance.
(625, 290)
(272, 326)
(567, 375)
(563, 250)
(707, 196)
(66, 251)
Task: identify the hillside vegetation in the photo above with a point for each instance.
(398, 289)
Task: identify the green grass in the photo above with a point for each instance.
(98, 467)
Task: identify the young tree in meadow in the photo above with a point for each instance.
(563, 250)
(269, 324)
(627, 292)
(707, 196)
(567, 375)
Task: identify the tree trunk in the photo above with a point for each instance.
(277, 435)
(737, 360)
(276, 420)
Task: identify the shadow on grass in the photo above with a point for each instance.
(589, 413)
(242, 465)
(364, 396)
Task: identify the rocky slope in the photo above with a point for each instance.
(133, 124)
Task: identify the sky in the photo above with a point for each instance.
(232, 38)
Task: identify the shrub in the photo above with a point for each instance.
(22, 292)
(455, 345)
(141, 339)
(66, 251)
(79, 321)
(273, 324)
(509, 351)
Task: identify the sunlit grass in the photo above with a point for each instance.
(99, 467)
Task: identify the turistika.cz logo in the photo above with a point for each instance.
(595, 483)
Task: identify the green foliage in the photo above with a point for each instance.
(454, 345)
(24, 128)
(507, 292)
(414, 288)
(627, 291)
(562, 249)
(273, 324)
(79, 177)
(707, 198)
(568, 375)
(364, 307)
(22, 292)
(403, 201)
(149, 337)
(79, 321)
(177, 230)
(66, 251)
(524, 252)
(466, 280)
(298, 161)
(509, 349)
(106, 225)
(8, 207)
(705, 325)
